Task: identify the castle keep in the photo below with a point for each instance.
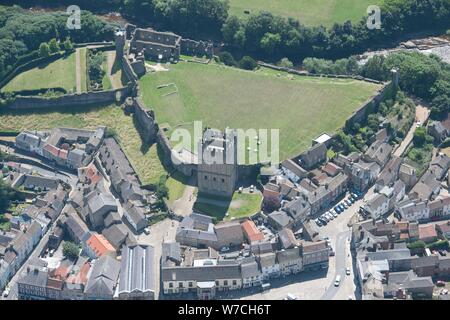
(217, 163)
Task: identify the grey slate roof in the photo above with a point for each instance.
(116, 234)
(203, 273)
(103, 277)
(137, 269)
(250, 269)
(280, 218)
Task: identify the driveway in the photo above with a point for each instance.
(422, 114)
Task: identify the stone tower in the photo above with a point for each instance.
(119, 38)
(217, 163)
(394, 75)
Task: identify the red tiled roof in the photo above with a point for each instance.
(57, 152)
(427, 231)
(331, 169)
(99, 244)
(93, 174)
(52, 149)
(81, 277)
(251, 231)
(444, 227)
(404, 236)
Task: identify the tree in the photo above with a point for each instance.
(420, 136)
(247, 63)
(161, 190)
(54, 45)
(71, 250)
(227, 58)
(44, 50)
(67, 44)
(270, 42)
(285, 63)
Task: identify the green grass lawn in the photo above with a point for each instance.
(145, 159)
(176, 184)
(308, 12)
(300, 107)
(241, 205)
(60, 73)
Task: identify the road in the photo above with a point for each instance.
(342, 260)
(13, 295)
(45, 169)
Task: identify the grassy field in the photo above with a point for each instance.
(308, 12)
(143, 157)
(60, 73)
(300, 107)
(241, 205)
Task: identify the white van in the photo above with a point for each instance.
(337, 282)
(290, 296)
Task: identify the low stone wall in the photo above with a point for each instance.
(72, 100)
(307, 74)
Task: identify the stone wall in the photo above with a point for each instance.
(72, 100)
(146, 120)
(307, 74)
(128, 70)
(371, 104)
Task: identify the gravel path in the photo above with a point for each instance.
(78, 69)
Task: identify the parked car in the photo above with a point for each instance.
(334, 214)
(325, 218)
(347, 202)
(290, 296)
(347, 271)
(240, 189)
(342, 207)
(6, 292)
(337, 209)
(147, 231)
(330, 216)
(337, 281)
(324, 222)
(440, 283)
(252, 188)
(317, 221)
(345, 205)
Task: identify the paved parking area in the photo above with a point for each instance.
(159, 232)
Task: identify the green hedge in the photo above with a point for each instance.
(9, 133)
